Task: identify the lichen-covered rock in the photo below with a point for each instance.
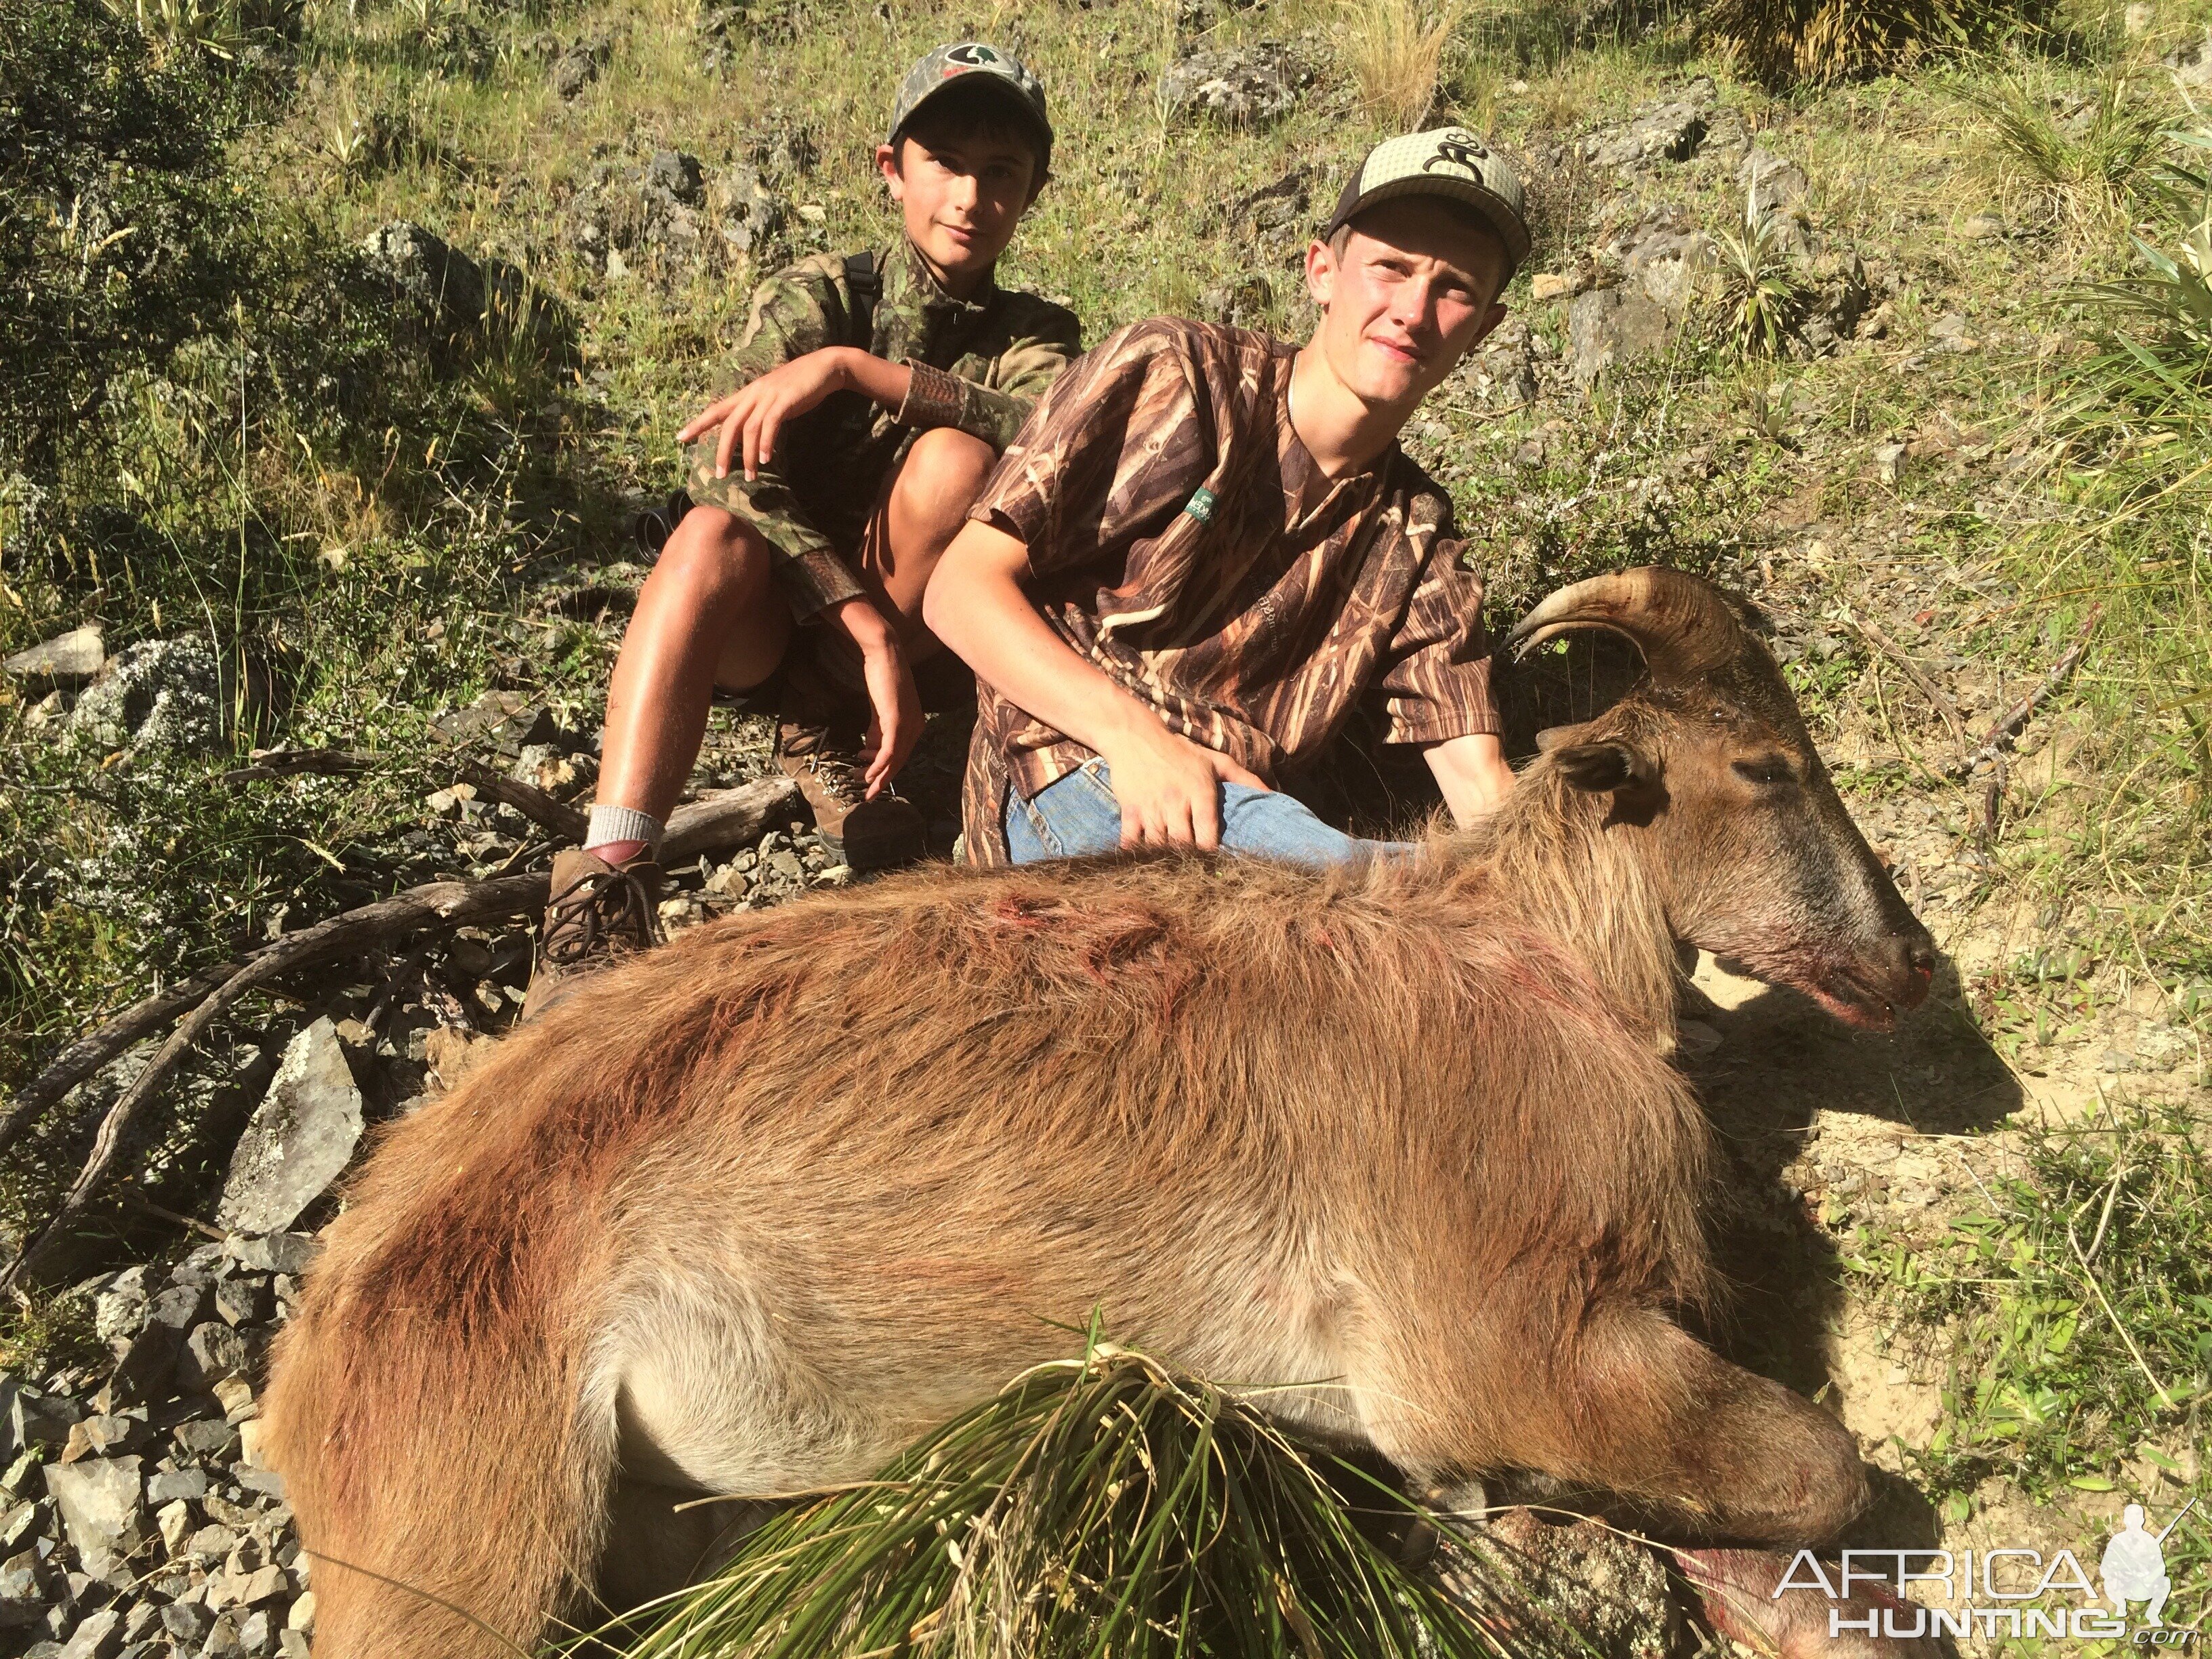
(161, 696)
(1242, 86)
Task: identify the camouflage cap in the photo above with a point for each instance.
(1451, 162)
(959, 64)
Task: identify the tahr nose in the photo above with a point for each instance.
(1917, 952)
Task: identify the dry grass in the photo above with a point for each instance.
(1395, 51)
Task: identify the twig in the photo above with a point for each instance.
(1929, 689)
(284, 762)
(1992, 805)
(436, 904)
(2010, 723)
(2157, 1387)
(138, 1202)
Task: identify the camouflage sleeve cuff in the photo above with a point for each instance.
(934, 398)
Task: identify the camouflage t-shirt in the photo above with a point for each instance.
(978, 365)
(1181, 538)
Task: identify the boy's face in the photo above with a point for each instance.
(962, 196)
(1414, 287)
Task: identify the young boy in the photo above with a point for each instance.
(875, 392)
(1206, 544)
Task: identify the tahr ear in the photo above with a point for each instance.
(1597, 768)
(1552, 736)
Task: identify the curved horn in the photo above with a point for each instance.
(1679, 622)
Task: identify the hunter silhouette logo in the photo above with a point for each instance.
(2134, 1565)
(1461, 149)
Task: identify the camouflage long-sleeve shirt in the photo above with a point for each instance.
(978, 365)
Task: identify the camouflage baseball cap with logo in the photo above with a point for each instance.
(972, 64)
(1451, 162)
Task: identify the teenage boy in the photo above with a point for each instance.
(875, 392)
(1206, 545)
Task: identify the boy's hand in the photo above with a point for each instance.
(1169, 788)
(751, 416)
(895, 719)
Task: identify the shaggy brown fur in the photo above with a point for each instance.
(760, 1207)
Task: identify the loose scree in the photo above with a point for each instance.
(756, 1210)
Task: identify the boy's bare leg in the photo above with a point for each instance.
(708, 615)
(922, 511)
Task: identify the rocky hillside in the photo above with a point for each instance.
(357, 333)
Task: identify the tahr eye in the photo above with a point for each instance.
(1769, 771)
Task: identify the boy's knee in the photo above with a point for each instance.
(946, 467)
(715, 554)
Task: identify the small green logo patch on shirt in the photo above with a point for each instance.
(1201, 505)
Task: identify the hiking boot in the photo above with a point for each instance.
(598, 914)
(882, 833)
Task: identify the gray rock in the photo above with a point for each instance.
(289, 1254)
(207, 1437)
(2191, 65)
(22, 1594)
(433, 284)
(18, 1523)
(257, 1632)
(212, 1353)
(118, 1313)
(97, 1637)
(103, 1436)
(222, 1641)
(187, 1622)
(69, 658)
(748, 213)
(1773, 183)
(573, 70)
(1242, 86)
(677, 176)
(1612, 326)
(35, 1419)
(171, 1485)
(244, 1301)
(1667, 265)
(156, 695)
(1670, 132)
(299, 1138)
(100, 1500)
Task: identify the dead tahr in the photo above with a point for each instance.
(754, 1211)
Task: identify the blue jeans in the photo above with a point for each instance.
(1078, 814)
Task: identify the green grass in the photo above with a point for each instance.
(2076, 1301)
(1096, 1505)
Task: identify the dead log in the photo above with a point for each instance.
(729, 817)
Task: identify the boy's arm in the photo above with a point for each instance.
(1472, 772)
(1046, 340)
(1169, 787)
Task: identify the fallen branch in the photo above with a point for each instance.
(729, 817)
(2010, 723)
(436, 904)
(1929, 689)
(562, 820)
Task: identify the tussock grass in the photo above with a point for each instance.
(1096, 1505)
(1761, 296)
(1781, 41)
(1395, 51)
(2076, 173)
